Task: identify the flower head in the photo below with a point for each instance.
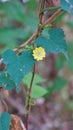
(39, 53)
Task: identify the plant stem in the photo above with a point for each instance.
(42, 5)
(50, 8)
(35, 35)
(41, 13)
(52, 18)
(29, 98)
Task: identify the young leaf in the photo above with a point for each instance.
(5, 120)
(37, 91)
(18, 66)
(67, 5)
(55, 42)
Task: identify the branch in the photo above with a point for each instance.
(42, 13)
(29, 98)
(52, 18)
(35, 35)
(50, 8)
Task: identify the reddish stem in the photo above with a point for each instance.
(35, 35)
(52, 18)
(29, 98)
(42, 14)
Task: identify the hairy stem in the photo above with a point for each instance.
(42, 5)
(52, 18)
(50, 8)
(35, 35)
(29, 98)
(41, 14)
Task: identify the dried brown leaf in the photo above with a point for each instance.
(16, 123)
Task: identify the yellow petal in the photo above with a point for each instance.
(39, 53)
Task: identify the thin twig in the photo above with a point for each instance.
(52, 18)
(42, 13)
(29, 98)
(50, 8)
(28, 41)
(34, 36)
(42, 5)
(50, 2)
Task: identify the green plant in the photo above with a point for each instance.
(19, 61)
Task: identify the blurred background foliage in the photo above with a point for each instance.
(15, 25)
(18, 21)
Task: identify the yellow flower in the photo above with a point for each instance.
(39, 53)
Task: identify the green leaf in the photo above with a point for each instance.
(9, 36)
(55, 42)
(32, 26)
(57, 85)
(18, 66)
(37, 91)
(67, 5)
(14, 9)
(60, 62)
(6, 81)
(31, 5)
(70, 61)
(5, 120)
